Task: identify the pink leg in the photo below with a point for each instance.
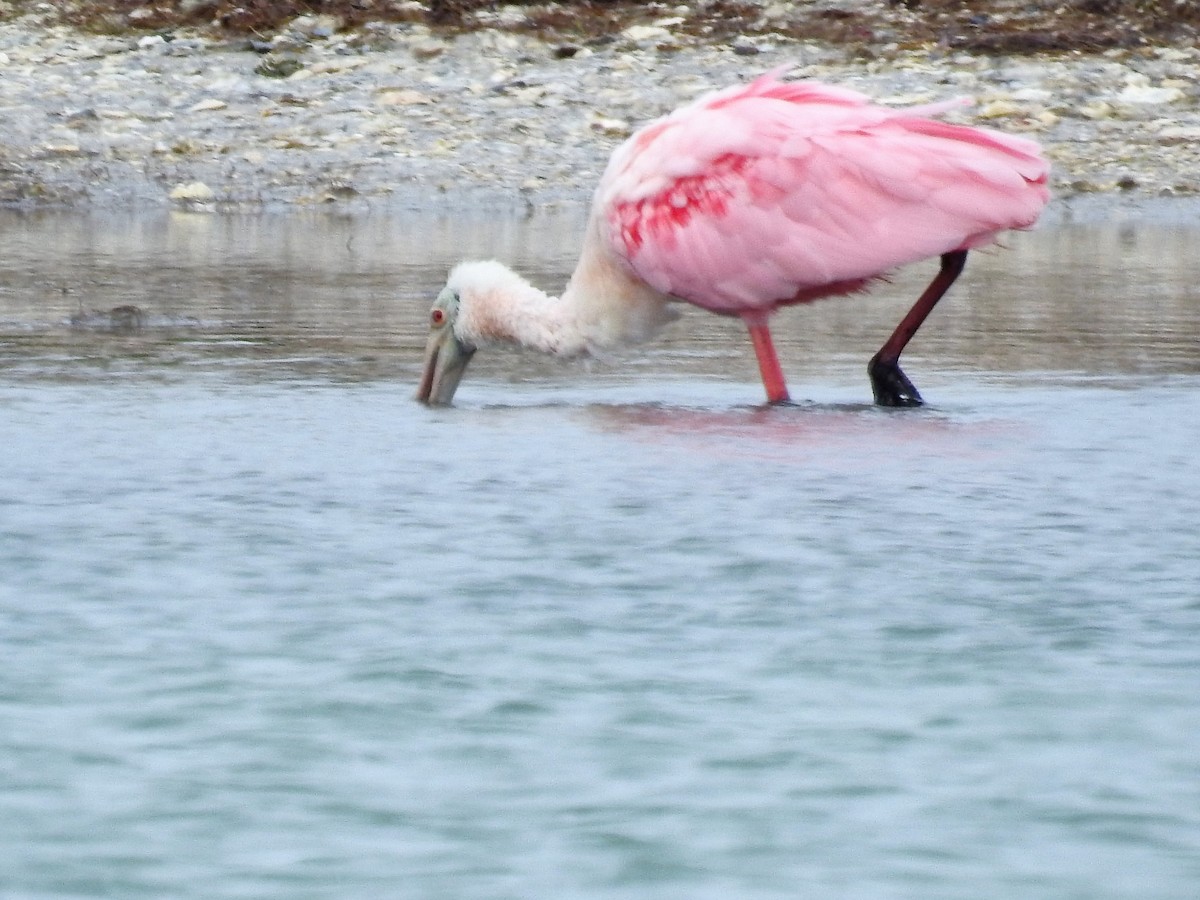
(768, 362)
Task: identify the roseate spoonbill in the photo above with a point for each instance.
(749, 199)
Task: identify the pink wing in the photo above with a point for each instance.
(774, 193)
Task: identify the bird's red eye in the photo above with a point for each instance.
(437, 317)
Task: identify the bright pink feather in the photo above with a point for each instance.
(773, 193)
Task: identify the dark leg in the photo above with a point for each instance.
(890, 385)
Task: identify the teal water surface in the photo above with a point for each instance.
(270, 629)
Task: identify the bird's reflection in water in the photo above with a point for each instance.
(855, 435)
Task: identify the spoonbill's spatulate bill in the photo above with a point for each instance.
(753, 198)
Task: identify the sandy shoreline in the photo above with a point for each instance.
(396, 117)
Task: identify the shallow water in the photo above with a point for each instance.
(271, 629)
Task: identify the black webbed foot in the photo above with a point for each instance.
(890, 385)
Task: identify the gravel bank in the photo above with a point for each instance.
(393, 115)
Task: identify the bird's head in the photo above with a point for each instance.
(446, 352)
(484, 303)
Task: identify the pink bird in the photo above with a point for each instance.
(753, 198)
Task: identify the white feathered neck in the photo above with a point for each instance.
(604, 305)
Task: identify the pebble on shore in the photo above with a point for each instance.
(393, 114)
